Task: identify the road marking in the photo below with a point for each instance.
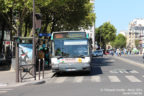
(125, 71)
(95, 79)
(134, 71)
(3, 84)
(121, 71)
(3, 91)
(133, 79)
(114, 79)
(143, 76)
(78, 79)
(113, 71)
(112, 60)
(60, 79)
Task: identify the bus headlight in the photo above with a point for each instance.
(54, 61)
(86, 60)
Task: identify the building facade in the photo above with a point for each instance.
(91, 30)
(135, 32)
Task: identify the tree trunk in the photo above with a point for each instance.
(26, 28)
(45, 28)
(20, 27)
(53, 26)
(1, 41)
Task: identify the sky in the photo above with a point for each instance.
(118, 12)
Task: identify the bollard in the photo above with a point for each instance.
(39, 68)
(43, 66)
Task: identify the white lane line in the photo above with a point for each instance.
(95, 79)
(5, 89)
(3, 92)
(60, 79)
(114, 79)
(121, 72)
(112, 60)
(143, 76)
(133, 79)
(3, 84)
(78, 79)
(134, 71)
(125, 71)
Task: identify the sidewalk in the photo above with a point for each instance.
(8, 79)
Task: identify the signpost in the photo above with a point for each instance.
(44, 34)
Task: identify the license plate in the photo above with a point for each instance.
(69, 60)
(70, 69)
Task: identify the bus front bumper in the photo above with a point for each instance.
(71, 67)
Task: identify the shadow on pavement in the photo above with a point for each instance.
(5, 65)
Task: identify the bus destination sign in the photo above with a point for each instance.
(70, 35)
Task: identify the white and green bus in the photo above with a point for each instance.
(71, 51)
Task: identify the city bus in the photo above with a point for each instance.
(71, 51)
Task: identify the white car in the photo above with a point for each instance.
(97, 53)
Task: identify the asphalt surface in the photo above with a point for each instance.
(109, 77)
(135, 58)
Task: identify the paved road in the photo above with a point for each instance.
(135, 58)
(109, 77)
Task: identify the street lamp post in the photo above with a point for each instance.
(33, 56)
(17, 58)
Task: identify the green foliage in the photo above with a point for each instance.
(56, 14)
(137, 43)
(67, 14)
(120, 41)
(105, 34)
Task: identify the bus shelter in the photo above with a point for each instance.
(25, 49)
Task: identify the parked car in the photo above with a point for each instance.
(97, 53)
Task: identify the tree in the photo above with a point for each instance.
(14, 12)
(120, 41)
(56, 14)
(105, 34)
(137, 43)
(67, 15)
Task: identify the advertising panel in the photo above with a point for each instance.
(25, 54)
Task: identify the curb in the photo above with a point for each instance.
(26, 82)
(29, 83)
(35, 82)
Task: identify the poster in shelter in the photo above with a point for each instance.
(25, 54)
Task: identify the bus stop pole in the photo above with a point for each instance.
(33, 56)
(17, 63)
(39, 67)
(43, 67)
(17, 55)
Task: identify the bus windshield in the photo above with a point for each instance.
(71, 48)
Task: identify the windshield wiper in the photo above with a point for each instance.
(81, 56)
(60, 57)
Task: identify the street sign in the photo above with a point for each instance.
(38, 20)
(44, 34)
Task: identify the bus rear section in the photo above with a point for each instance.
(71, 55)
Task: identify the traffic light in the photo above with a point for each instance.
(38, 16)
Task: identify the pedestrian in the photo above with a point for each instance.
(112, 52)
(143, 55)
